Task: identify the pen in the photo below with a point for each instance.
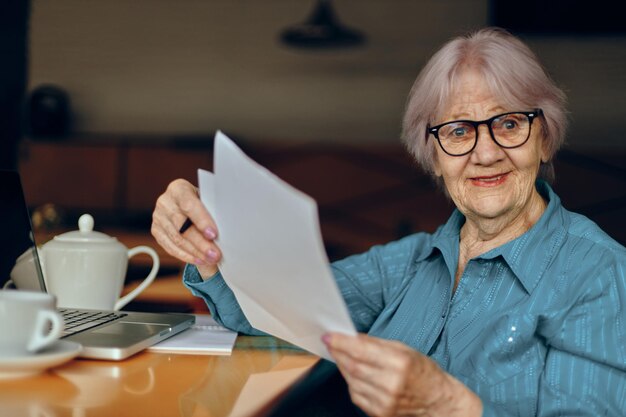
(185, 226)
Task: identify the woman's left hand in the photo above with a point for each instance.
(388, 378)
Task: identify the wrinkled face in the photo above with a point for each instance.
(490, 182)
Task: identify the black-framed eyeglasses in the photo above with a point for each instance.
(508, 130)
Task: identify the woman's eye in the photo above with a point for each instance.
(509, 124)
(459, 132)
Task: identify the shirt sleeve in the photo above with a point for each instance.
(220, 300)
(366, 282)
(585, 368)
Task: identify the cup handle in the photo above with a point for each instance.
(46, 319)
(8, 284)
(147, 280)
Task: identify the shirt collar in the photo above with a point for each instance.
(528, 256)
(446, 241)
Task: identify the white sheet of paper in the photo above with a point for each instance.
(273, 257)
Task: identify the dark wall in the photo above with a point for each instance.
(559, 17)
(13, 52)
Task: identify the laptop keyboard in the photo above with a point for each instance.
(80, 320)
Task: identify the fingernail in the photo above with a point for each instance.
(199, 261)
(326, 339)
(210, 233)
(212, 254)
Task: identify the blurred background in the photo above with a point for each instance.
(104, 102)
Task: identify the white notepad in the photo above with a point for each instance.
(206, 337)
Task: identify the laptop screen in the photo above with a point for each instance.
(18, 254)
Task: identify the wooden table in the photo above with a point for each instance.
(157, 384)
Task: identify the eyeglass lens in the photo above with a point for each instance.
(509, 130)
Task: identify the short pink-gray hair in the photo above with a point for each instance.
(514, 75)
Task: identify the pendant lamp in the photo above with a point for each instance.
(321, 30)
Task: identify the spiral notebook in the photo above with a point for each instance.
(205, 337)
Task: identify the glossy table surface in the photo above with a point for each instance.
(160, 384)
(156, 384)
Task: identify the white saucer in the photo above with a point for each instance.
(22, 366)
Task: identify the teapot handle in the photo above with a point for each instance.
(147, 280)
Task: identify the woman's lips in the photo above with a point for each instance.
(489, 181)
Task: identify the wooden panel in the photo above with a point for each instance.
(366, 195)
(69, 175)
(151, 169)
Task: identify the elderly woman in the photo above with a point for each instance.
(515, 306)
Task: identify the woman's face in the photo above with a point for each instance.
(490, 182)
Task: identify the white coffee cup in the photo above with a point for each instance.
(28, 322)
(24, 275)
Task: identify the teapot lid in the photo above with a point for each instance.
(85, 232)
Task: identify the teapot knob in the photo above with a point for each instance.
(85, 223)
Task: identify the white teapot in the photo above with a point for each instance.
(87, 269)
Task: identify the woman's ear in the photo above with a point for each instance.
(545, 152)
(436, 168)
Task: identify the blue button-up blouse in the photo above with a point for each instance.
(536, 326)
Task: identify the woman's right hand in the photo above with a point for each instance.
(196, 245)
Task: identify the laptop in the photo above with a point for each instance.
(111, 335)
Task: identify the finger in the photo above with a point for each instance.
(370, 398)
(381, 353)
(352, 366)
(185, 197)
(209, 250)
(193, 249)
(369, 379)
(360, 348)
(174, 244)
(171, 211)
(371, 406)
(366, 404)
(383, 364)
(405, 379)
(408, 377)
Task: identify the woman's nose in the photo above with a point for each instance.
(487, 151)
